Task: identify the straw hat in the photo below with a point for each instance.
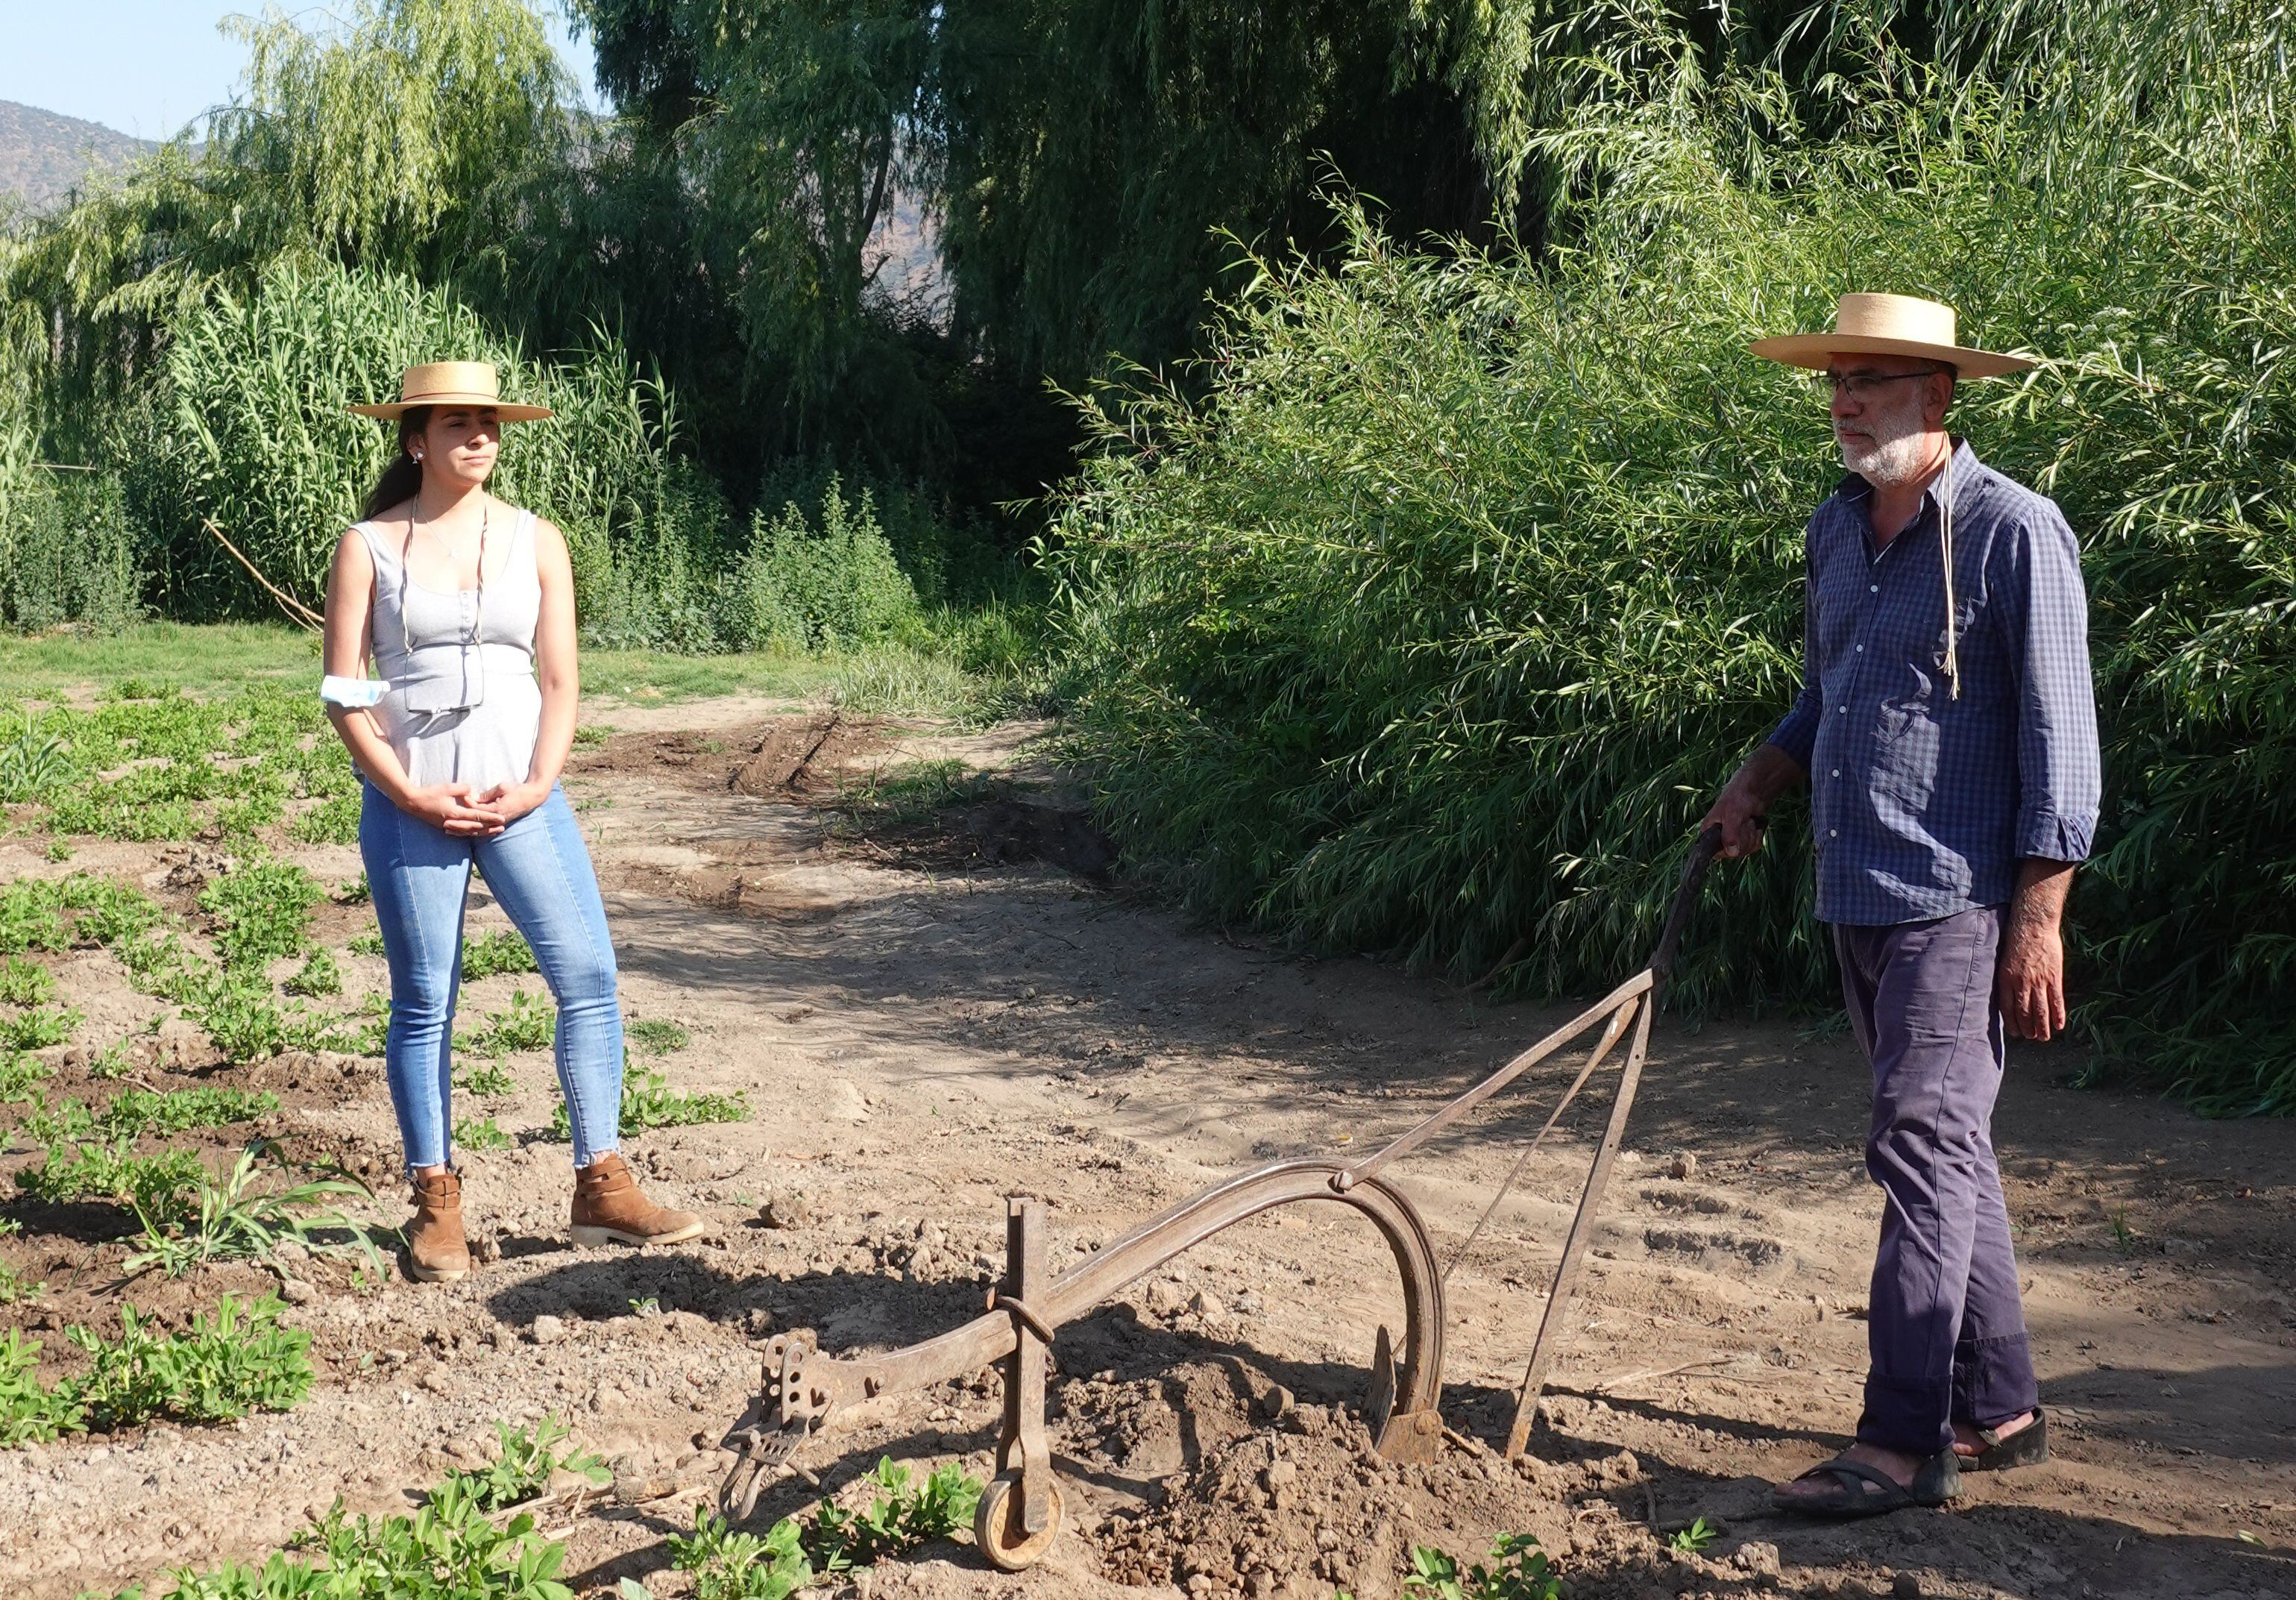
(1889, 324)
(453, 383)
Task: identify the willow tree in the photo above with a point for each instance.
(405, 137)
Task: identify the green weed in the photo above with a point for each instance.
(30, 1413)
(136, 1111)
(485, 955)
(1695, 1538)
(320, 974)
(529, 1459)
(655, 1036)
(487, 1078)
(37, 1027)
(35, 758)
(261, 912)
(369, 943)
(26, 982)
(481, 1135)
(58, 850)
(649, 1102)
(228, 1219)
(14, 1285)
(526, 1023)
(1518, 1570)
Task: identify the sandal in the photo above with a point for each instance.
(1935, 1482)
(2029, 1446)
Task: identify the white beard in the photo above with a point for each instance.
(1897, 454)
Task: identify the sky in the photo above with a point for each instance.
(147, 67)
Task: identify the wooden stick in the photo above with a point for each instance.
(296, 611)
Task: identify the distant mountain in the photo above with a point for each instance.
(42, 155)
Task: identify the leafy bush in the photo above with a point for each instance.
(133, 1111)
(35, 760)
(71, 551)
(529, 1459)
(898, 1519)
(335, 820)
(30, 1412)
(1518, 1570)
(1437, 625)
(485, 1078)
(20, 1076)
(728, 1564)
(800, 586)
(485, 955)
(320, 974)
(485, 1134)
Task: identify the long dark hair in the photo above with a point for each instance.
(404, 475)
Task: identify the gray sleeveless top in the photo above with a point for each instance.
(462, 706)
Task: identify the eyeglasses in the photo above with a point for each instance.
(1862, 386)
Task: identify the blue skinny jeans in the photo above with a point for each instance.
(540, 872)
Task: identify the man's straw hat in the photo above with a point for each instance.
(1889, 324)
(453, 383)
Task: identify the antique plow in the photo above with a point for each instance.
(1021, 1512)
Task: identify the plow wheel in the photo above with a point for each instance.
(1007, 1546)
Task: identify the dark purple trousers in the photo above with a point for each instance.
(1944, 1322)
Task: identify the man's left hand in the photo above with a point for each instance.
(2030, 983)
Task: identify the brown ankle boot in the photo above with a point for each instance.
(436, 1252)
(607, 1206)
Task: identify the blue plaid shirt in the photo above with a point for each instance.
(1923, 804)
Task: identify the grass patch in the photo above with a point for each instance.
(655, 1036)
(155, 660)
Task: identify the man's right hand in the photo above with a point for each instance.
(447, 807)
(1744, 806)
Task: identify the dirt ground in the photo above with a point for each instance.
(929, 1013)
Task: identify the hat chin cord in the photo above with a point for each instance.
(1944, 537)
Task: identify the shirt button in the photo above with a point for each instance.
(1835, 773)
(1861, 650)
(1872, 588)
(1833, 832)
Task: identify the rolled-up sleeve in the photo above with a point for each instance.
(2043, 613)
(1797, 733)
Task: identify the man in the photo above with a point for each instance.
(1948, 726)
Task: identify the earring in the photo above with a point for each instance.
(418, 455)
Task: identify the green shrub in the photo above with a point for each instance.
(801, 586)
(1518, 1570)
(898, 1519)
(482, 1135)
(525, 1023)
(71, 551)
(484, 1078)
(30, 1412)
(728, 1564)
(135, 1112)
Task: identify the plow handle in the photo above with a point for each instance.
(1686, 895)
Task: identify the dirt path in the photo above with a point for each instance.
(922, 1029)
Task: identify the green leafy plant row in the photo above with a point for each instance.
(222, 1366)
(729, 1564)
(649, 1102)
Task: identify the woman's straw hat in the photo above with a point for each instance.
(1889, 324)
(453, 383)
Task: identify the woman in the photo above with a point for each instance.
(466, 607)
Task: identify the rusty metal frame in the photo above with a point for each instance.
(1020, 1513)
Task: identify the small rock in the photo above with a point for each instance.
(1164, 1297)
(1756, 1557)
(1905, 1586)
(290, 1251)
(786, 1210)
(1683, 1166)
(1207, 1305)
(1282, 1472)
(1275, 1405)
(845, 1102)
(547, 1329)
(434, 1379)
(297, 1292)
(486, 1248)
